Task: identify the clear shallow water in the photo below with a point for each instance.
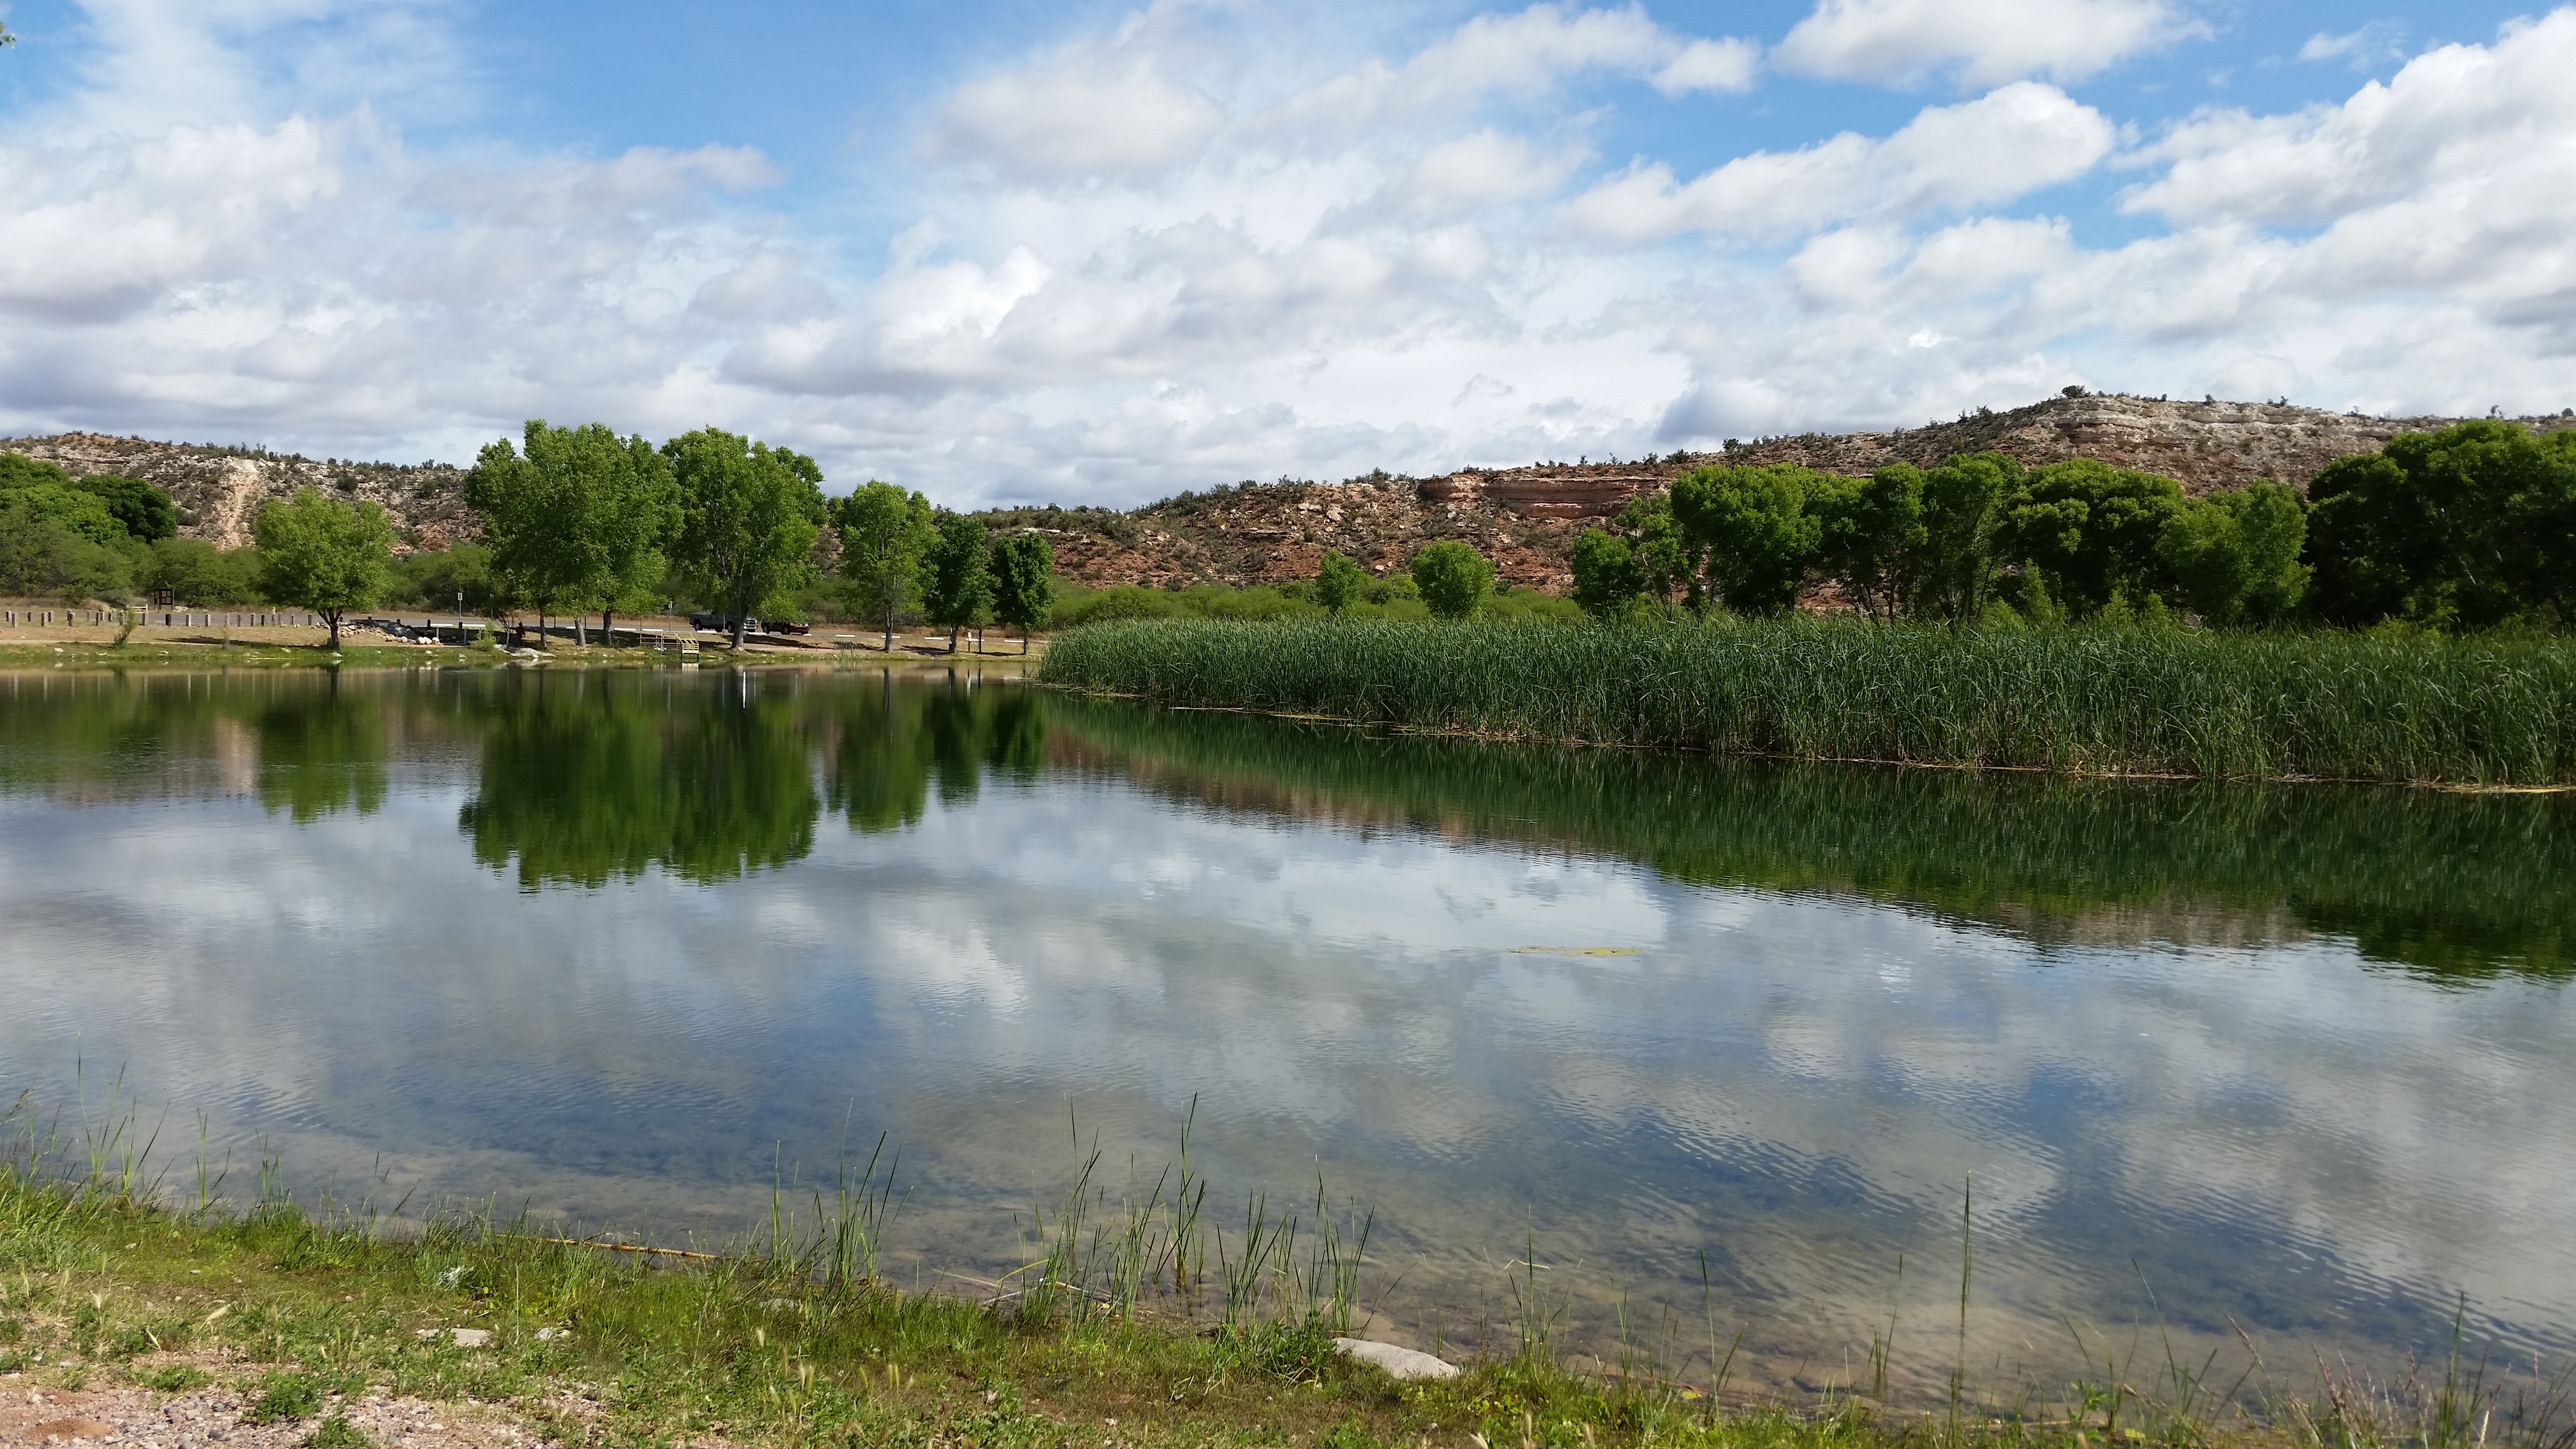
(622, 948)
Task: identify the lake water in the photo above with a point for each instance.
(626, 949)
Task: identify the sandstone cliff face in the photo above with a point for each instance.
(219, 492)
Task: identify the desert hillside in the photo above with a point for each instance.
(1525, 517)
(219, 490)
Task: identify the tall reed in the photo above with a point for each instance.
(2102, 701)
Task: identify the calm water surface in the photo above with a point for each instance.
(623, 949)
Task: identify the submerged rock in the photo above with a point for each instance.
(1400, 1363)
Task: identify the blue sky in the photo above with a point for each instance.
(1100, 252)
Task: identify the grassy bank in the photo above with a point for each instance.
(2097, 701)
(279, 1316)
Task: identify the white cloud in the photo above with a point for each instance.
(1710, 65)
(2002, 145)
(2462, 114)
(1979, 41)
(1524, 55)
(2362, 48)
(1383, 268)
(1083, 114)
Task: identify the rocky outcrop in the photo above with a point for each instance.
(1526, 519)
(219, 490)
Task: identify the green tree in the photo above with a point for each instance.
(1955, 566)
(2462, 528)
(959, 587)
(2234, 556)
(1754, 528)
(457, 577)
(42, 558)
(1023, 569)
(45, 491)
(1667, 563)
(324, 556)
(579, 516)
(2090, 530)
(1338, 581)
(197, 572)
(1454, 579)
(144, 511)
(1606, 578)
(1873, 536)
(885, 535)
(750, 515)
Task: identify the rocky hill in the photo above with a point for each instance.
(219, 490)
(1524, 517)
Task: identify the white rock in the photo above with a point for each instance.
(471, 1337)
(1401, 1363)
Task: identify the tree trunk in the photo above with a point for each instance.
(741, 625)
(334, 618)
(953, 631)
(607, 631)
(889, 649)
(541, 626)
(579, 639)
(1024, 639)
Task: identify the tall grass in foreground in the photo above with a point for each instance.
(2101, 701)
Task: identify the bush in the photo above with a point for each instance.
(40, 557)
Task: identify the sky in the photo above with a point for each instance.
(1099, 253)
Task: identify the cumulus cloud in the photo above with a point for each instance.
(1081, 114)
(1522, 55)
(2361, 49)
(2459, 114)
(1979, 41)
(2002, 145)
(1410, 258)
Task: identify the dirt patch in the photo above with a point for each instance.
(32, 1416)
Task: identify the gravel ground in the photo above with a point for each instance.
(31, 1414)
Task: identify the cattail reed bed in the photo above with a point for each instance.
(2170, 702)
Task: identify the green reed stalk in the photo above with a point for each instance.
(2472, 711)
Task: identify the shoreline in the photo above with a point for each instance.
(284, 1328)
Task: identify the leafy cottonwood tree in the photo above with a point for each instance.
(2233, 557)
(1023, 569)
(322, 555)
(1338, 581)
(2090, 531)
(1606, 578)
(1873, 535)
(1954, 567)
(1453, 578)
(1755, 528)
(959, 587)
(143, 510)
(885, 535)
(749, 516)
(578, 517)
(2466, 527)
